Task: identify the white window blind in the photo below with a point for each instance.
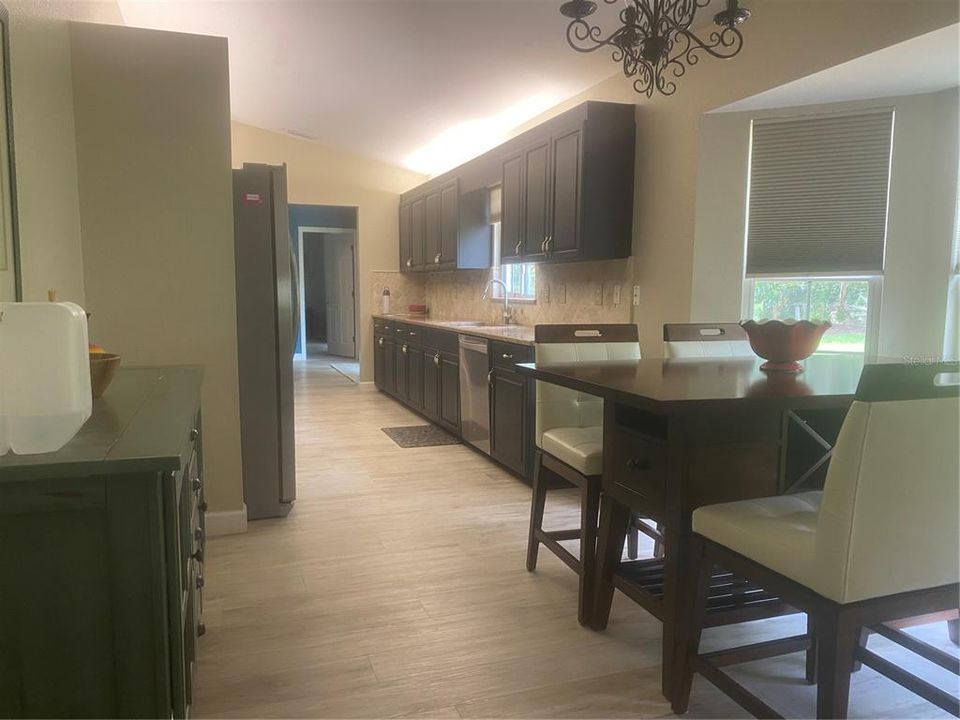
(818, 194)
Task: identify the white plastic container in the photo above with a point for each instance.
(44, 376)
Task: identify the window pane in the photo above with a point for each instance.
(841, 302)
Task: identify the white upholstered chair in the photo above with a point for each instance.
(705, 340)
(569, 439)
(837, 554)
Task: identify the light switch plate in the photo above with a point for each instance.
(598, 295)
(545, 294)
(562, 293)
(616, 294)
(636, 294)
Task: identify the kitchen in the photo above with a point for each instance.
(601, 223)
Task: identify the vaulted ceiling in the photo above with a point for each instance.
(421, 83)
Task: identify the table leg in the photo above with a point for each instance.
(610, 536)
(676, 553)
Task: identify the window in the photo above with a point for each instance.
(817, 221)
(519, 278)
(844, 302)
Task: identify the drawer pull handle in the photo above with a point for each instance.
(507, 356)
(436, 359)
(409, 262)
(635, 465)
(199, 583)
(194, 434)
(412, 334)
(490, 378)
(196, 485)
(198, 556)
(519, 245)
(380, 342)
(404, 349)
(198, 534)
(436, 259)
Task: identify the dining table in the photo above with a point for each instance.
(682, 433)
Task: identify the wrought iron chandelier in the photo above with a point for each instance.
(655, 42)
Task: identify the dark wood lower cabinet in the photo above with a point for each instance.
(431, 384)
(450, 392)
(415, 377)
(508, 434)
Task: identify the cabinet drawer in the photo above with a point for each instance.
(638, 464)
(378, 325)
(504, 354)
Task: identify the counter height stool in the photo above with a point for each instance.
(836, 555)
(569, 439)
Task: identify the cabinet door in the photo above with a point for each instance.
(449, 223)
(536, 199)
(564, 236)
(431, 384)
(389, 365)
(507, 419)
(415, 377)
(450, 392)
(402, 370)
(417, 233)
(406, 238)
(511, 211)
(431, 210)
(378, 367)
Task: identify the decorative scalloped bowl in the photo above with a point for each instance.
(784, 344)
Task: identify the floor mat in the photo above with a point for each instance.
(419, 436)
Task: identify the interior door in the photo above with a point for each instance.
(339, 272)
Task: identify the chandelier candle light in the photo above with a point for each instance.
(655, 42)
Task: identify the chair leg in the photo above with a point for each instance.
(953, 629)
(633, 539)
(694, 589)
(862, 637)
(537, 503)
(836, 645)
(811, 669)
(589, 510)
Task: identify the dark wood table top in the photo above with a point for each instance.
(698, 384)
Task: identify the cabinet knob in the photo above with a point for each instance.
(196, 485)
(436, 359)
(403, 349)
(638, 465)
(409, 262)
(519, 245)
(194, 434)
(412, 334)
(199, 582)
(507, 356)
(198, 534)
(203, 507)
(198, 556)
(380, 342)
(436, 259)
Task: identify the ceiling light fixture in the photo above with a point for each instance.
(655, 42)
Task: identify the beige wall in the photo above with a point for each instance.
(784, 40)
(153, 148)
(44, 143)
(923, 187)
(321, 175)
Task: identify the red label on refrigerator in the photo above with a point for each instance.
(252, 199)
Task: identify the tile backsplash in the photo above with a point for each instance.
(566, 292)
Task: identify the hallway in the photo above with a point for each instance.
(397, 588)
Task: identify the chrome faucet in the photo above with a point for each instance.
(507, 314)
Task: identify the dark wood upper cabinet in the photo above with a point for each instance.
(511, 213)
(449, 224)
(566, 188)
(565, 161)
(432, 230)
(418, 233)
(406, 238)
(536, 200)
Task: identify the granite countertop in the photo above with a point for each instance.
(521, 334)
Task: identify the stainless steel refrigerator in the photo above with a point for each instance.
(266, 322)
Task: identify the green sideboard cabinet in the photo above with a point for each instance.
(101, 558)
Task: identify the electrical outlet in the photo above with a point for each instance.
(636, 294)
(562, 293)
(616, 294)
(545, 293)
(598, 294)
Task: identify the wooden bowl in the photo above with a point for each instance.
(103, 366)
(784, 344)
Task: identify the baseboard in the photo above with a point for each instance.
(226, 522)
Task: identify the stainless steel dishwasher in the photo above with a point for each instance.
(474, 393)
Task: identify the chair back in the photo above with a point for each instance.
(705, 340)
(888, 521)
(562, 407)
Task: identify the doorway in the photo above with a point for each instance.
(327, 274)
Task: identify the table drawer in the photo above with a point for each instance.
(638, 464)
(504, 354)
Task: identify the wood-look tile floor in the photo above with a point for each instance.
(397, 588)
